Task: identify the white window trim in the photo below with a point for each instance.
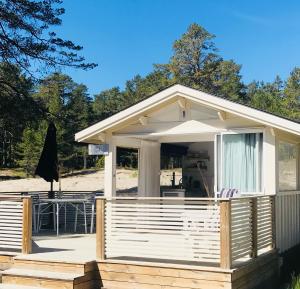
(220, 163)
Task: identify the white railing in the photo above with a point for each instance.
(241, 228)
(15, 223)
(252, 226)
(265, 223)
(164, 229)
(287, 220)
(211, 231)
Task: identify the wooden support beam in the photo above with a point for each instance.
(222, 115)
(110, 168)
(272, 131)
(254, 227)
(27, 226)
(182, 103)
(100, 229)
(101, 137)
(143, 120)
(225, 234)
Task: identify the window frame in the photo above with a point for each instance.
(219, 161)
(297, 144)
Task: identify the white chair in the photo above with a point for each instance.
(93, 212)
(80, 211)
(44, 209)
(88, 208)
(228, 193)
(35, 205)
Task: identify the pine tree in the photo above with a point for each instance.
(292, 94)
(30, 147)
(195, 63)
(69, 107)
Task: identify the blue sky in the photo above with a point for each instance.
(126, 37)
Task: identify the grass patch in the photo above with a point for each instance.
(295, 284)
(15, 173)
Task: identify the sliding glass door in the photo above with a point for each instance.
(239, 161)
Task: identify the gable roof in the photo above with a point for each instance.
(197, 96)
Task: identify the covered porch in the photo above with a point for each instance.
(211, 143)
(199, 160)
(194, 166)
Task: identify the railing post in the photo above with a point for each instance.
(254, 227)
(225, 234)
(100, 228)
(27, 226)
(273, 212)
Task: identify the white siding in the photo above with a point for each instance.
(287, 220)
(11, 224)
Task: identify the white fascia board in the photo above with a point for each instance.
(196, 96)
(241, 110)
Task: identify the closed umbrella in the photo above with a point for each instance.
(47, 167)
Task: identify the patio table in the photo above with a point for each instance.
(59, 203)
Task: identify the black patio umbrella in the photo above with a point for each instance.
(47, 167)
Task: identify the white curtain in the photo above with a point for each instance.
(149, 169)
(240, 155)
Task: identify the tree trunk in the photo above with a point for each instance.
(84, 158)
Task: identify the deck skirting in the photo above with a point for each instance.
(258, 273)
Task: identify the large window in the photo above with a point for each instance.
(288, 162)
(239, 161)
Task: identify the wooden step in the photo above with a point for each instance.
(40, 278)
(6, 260)
(14, 286)
(41, 265)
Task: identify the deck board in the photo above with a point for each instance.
(65, 248)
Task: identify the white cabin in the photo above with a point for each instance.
(238, 146)
(222, 145)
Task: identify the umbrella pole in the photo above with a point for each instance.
(59, 181)
(51, 214)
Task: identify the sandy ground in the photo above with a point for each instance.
(89, 181)
(126, 180)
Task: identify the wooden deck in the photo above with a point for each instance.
(148, 244)
(70, 262)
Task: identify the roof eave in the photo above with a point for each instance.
(194, 95)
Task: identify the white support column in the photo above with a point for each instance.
(269, 162)
(110, 169)
(149, 169)
(298, 167)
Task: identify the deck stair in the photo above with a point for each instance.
(14, 286)
(50, 274)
